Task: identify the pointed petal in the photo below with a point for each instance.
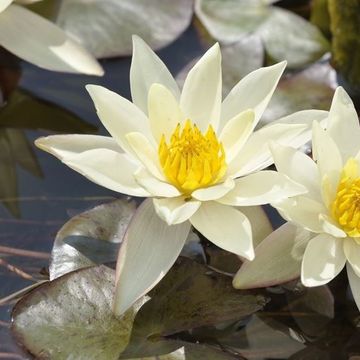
(164, 112)
(146, 153)
(354, 281)
(66, 146)
(324, 258)
(154, 186)
(299, 167)
(147, 69)
(352, 253)
(149, 249)
(175, 210)
(4, 4)
(39, 41)
(226, 227)
(254, 91)
(256, 154)
(303, 117)
(343, 124)
(277, 259)
(214, 192)
(109, 169)
(201, 95)
(236, 132)
(262, 188)
(118, 115)
(302, 211)
(330, 227)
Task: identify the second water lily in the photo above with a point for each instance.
(195, 156)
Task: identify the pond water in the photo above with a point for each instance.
(39, 194)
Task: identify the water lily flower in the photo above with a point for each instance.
(195, 156)
(40, 42)
(328, 214)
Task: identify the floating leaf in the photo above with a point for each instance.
(71, 317)
(106, 222)
(105, 27)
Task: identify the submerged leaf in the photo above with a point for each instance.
(105, 27)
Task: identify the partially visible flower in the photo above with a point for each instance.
(329, 212)
(195, 156)
(39, 41)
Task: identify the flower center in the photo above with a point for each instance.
(346, 206)
(192, 160)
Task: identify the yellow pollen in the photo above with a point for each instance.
(192, 160)
(346, 206)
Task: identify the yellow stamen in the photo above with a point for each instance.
(346, 206)
(192, 160)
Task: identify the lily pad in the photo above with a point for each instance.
(113, 22)
(104, 223)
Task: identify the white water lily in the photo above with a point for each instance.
(196, 158)
(40, 42)
(330, 211)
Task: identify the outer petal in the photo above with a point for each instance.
(354, 282)
(175, 210)
(118, 115)
(256, 154)
(226, 227)
(164, 112)
(154, 186)
(277, 259)
(254, 91)
(324, 258)
(303, 117)
(147, 69)
(352, 253)
(343, 124)
(4, 4)
(299, 167)
(201, 95)
(214, 192)
(262, 188)
(149, 249)
(42, 43)
(302, 211)
(109, 169)
(66, 146)
(236, 132)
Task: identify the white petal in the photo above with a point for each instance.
(254, 91)
(352, 253)
(236, 132)
(109, 169)
(260, 224)
(147, 69)
(276, 259)
(262, 188)
(299, 167)
(226, 227)
(324, 258)
(330, 227)
(214, 192)
(354, 281)
(328, 157)
(302, 211)
(39, 41)
(175, 210)
(256, 154)
(154, 186)
(164, 112)
(4, 4)
(303, 117)
(343, 124)
(149, 249)
(201, 95)
(118, 115)
(146, 153)
(66, 146)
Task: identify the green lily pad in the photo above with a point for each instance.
(105, 27)
(189, 296)
(103, 227)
